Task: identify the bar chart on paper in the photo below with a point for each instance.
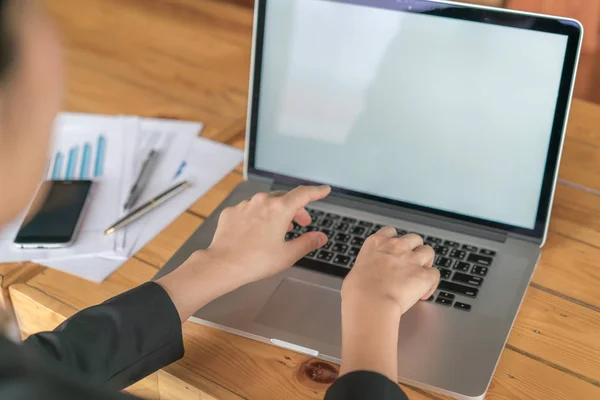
(81, 157)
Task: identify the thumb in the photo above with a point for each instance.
(300, 247)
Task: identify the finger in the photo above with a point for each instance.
(290, 227)
(278, 193)
(434, 285)
(300, 247)
(388, 232)
(302, 217)
(421, 284)
(425, 255)
(412, 241)
(303, 195)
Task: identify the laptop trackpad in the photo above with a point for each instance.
(304, 309)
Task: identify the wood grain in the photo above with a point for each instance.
(521, 377)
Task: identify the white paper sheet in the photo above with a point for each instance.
(208, 163)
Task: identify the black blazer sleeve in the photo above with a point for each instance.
(364, 385)
(118, 342)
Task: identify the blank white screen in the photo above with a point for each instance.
(448, 114)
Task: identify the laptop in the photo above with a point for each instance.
(436, 118)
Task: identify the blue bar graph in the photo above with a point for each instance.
(57, 169)
(85, 162)
(72, 163)
(100, 150)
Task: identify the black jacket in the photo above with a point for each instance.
(106, 348)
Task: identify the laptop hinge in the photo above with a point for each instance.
(344, 200)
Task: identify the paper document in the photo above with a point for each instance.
(207, 163)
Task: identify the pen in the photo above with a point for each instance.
(149, 206)
(142, 179)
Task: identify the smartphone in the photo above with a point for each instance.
(55, 215)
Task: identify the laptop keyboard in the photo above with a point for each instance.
(463, 267)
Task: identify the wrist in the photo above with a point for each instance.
(197, 282)
(370, 336)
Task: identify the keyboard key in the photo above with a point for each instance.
(441, 300)
(351, 263)
(448, 296)
(296, 227)
(458, 289)
(377, 227)
(479, 270)
(357, 230)
(434, 239)
(296, 235)
(468, 279)
(315, 213)
(326, 223)
(441, 250)
(372, 232)
(486, 252)
(328, 232)
(327, 245)
(460, 254)
(450, 243)
(445, 273)
(342, 237)
(340, 248)
(312, 254)
(431, 244)
(443, 262)
(462, 306)
(333, 216)
(356, 241)
(354, 251)
(311, 228)
(343, 260)
(469, 248)
(325, 255)
(365, 224)
(479, 259)
(401, 232)
(342, 227)
(462, 266)
(289, 236)
(349, 220)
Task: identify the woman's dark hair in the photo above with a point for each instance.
(6, 41)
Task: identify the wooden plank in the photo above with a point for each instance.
(160, 249)
(11, 274)
(521, 377)
(580, 163)
(570, 267)
(584, 123)
(560, 332)
(576, 214)
(176, 382)
(180, 59)
(146, 389)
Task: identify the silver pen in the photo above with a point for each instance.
(149, 206)
(142, 180)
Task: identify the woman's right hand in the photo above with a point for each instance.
(390, 275)
(392, 270)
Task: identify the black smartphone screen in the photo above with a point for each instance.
(55, 213)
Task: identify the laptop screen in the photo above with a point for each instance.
(446, 114)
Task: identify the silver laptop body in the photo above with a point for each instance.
(437, 118)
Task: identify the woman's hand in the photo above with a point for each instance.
(248, 245)
(392, 271)
(249, 241)
(390, 275)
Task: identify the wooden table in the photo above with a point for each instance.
(189, 59)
